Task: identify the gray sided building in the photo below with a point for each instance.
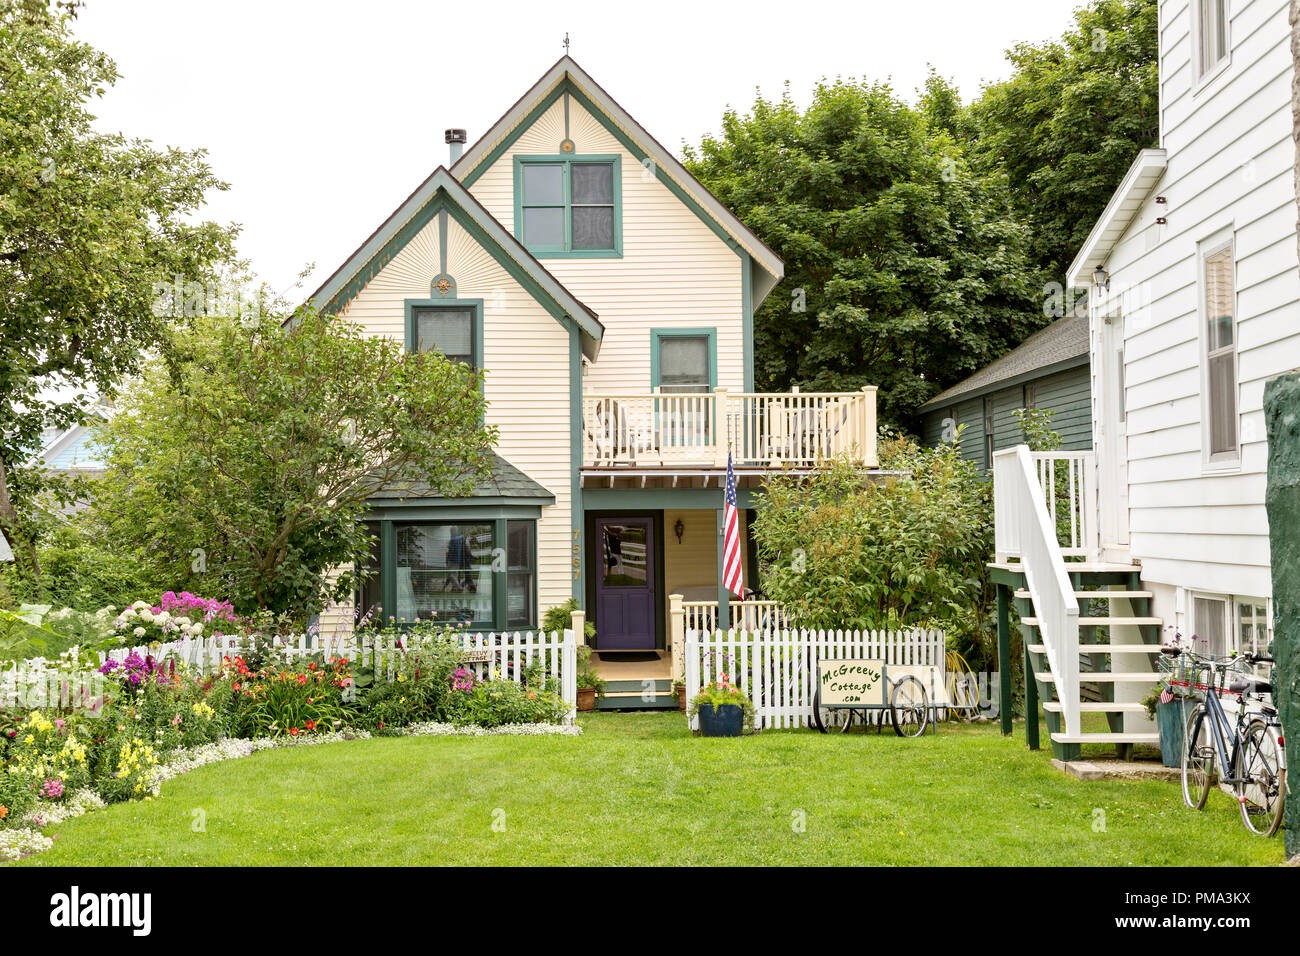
(1049, 370)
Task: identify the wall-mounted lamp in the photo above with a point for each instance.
(1101, 279)
(678, 528)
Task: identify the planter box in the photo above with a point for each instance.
(1171, 718)
(725, 721)
(586, 698)
(681, 699)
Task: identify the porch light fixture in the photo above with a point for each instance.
(1101, 278)
(678, 528)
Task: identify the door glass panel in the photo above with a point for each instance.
(625, 555)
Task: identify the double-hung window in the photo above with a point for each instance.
(1211, 35)
(569, 205)
(684, 363)
(1219, 302)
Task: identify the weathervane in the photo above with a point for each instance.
(566, 42)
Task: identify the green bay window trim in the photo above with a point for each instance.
(569, 207)
(684, 360)
(475, 567)
(436, 324)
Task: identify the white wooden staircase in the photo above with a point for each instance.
(1090, 639)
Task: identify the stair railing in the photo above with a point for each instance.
(1024, 529)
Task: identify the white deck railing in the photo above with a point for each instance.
(1024, 528)
(1068, 482)
(800, 429)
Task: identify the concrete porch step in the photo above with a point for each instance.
(1097, 707)
(1107, 738)
(1106, 648)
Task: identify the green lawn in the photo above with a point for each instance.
(637, 789)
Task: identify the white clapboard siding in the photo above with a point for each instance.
(776, 668)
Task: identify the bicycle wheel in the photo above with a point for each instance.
(1262, 774)
(909, 707)
(1198, 759)
(829, 720)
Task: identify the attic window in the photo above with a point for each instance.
(569, 205)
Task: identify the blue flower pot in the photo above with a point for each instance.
(725, 721)
(1171, 718)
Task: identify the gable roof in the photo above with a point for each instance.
(766, 266)
(504, 481)
(1118, 215)
(440, 191)
(1062, 345)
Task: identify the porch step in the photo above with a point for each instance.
(1025, 595)
(632, 700)
(661, 685)
(1097, 707)
(1116, 738)
(1106, 648)
(1099, 621)
(1098, 677)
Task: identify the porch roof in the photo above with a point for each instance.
(504, 482)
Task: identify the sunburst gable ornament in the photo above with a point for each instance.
(443, 285)
(566, 146)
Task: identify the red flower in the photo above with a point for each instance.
(310, 725)
(235, 686)
(293, 731)
(302, 679)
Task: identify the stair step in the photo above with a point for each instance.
(1106, 648)
(1090, 621)
(1025, 595)
(1097, 707)
(1119, 738)
(1095, 677)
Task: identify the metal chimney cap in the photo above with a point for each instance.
(455, 136)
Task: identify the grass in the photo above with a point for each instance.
(637, 789)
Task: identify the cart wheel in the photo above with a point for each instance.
(830, 720)
(909, 707)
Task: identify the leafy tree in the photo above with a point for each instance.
(843, 550)
(1067, 124)
(246, 476)
(904, 268)
(89, 222)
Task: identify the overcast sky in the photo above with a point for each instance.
(324, 115)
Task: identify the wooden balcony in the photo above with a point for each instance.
(693, 432)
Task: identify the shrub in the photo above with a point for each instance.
(496, 702)
(844, 550)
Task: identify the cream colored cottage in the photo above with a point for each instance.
(609, 299)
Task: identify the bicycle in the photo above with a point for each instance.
(1255, 766)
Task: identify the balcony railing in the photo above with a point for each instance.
(767, 430)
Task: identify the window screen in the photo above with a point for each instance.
(684, 363)
(449, 331)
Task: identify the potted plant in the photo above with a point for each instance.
(590, 687)
(1168, 704)
(724, 711)
(679, 688)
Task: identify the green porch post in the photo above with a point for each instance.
(1031, 704)
(724, 596)
(1004, 661)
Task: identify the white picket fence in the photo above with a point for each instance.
(504, 656)
(776, 669)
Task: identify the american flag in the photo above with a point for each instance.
(732, 578)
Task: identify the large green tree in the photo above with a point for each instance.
(904, 266)
(89, 222)
(244, 471)
(1065, 126)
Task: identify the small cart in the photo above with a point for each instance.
(849, 687)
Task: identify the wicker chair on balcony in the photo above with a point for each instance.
(617, 438)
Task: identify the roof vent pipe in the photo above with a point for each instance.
(455, 144)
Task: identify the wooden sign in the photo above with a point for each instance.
(851, 683)
(479, 656)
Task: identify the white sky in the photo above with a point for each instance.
(324, 115)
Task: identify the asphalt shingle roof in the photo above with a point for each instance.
(1063, 340)
(504, 481)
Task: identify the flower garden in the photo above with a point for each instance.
(78, 733)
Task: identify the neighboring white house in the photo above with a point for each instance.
(1194, 305)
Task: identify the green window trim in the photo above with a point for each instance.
(656, 335)
(475, 305)
(499, 518)
(566, 251)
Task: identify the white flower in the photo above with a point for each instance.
(146, 615)
(197, 630)
(140, 605)
(128, 613)
(139, 632)
(182, 621)
(162, 617)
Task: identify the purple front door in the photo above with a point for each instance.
(625, 584)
